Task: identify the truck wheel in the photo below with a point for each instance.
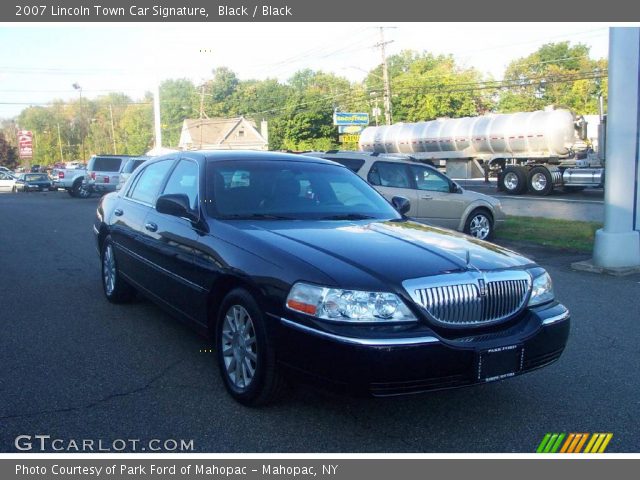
(80, 190)
(479, 224)
(514, 180)
(246, 353)
(540, 181)
(115, 288)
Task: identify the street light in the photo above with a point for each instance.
(77, 86)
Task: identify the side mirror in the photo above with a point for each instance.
(455, 188)
(176, 204)
(401, 204)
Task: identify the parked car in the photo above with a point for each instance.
(35, 168)
(303, 270)
(128, 168)
(27, 182)
(434, 197)
(7, 181)
(72, 180)
(103, 172)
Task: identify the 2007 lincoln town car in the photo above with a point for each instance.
(299, 269)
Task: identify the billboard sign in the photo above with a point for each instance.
(349, 138)
(346, 118)
(25, 144)
(352, 129)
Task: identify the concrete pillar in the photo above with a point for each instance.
(617, 245)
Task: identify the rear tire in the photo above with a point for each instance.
(540, 181)
(246, 353)
(80, 190)
(514, 180)
(115, 288)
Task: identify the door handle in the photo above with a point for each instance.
(152, 227)
(426, 197)
(118, 212)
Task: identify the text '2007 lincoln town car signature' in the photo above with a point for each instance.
(299, 269)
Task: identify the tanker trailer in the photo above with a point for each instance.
(529, 151)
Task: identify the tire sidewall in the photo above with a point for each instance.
(265, 353)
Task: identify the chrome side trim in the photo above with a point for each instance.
(556, 319)
(369, 342)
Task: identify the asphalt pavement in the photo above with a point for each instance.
(586, 205)
(73, 366)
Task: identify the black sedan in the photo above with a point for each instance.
(300, 270)
(27, 182)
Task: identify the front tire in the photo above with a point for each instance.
(246, 353)
(115, 288)
(479, 225)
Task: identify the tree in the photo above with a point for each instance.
(8, 154)
(425, 86)
(556, 74)
(136, 133)
(179, 100)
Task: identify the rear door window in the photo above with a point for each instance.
(387, 174)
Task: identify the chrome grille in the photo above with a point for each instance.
(471, 298)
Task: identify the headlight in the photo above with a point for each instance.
(542, 288)
(351, 306)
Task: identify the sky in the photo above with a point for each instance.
(40, 63)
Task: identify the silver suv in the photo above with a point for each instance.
(434, 197)
(103, 172)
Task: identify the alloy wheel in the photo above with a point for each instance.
(239, 347)
(480, 227)
(109, 270)
(511, 181)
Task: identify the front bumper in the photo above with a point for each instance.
(401, 364)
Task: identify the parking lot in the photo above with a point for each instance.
(75, 366)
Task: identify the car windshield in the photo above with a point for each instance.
(291, 190)
(36, 177)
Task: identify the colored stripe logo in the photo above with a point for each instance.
(574, 443)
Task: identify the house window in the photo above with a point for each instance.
(240, 133)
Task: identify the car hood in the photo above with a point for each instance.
(384, 250)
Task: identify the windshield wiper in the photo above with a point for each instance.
(255, 216)
(348, 216)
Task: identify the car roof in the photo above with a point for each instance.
(373, 156)
(223, 155)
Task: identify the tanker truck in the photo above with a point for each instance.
(533, 152)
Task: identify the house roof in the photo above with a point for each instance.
(214, 130)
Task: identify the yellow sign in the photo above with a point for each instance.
(349, 138)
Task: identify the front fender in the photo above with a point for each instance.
(471, 207)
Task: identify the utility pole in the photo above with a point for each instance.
(385, 78)
(156, 116)
(202, 101)
(77, 86)
(60, 143)
(113, 133)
